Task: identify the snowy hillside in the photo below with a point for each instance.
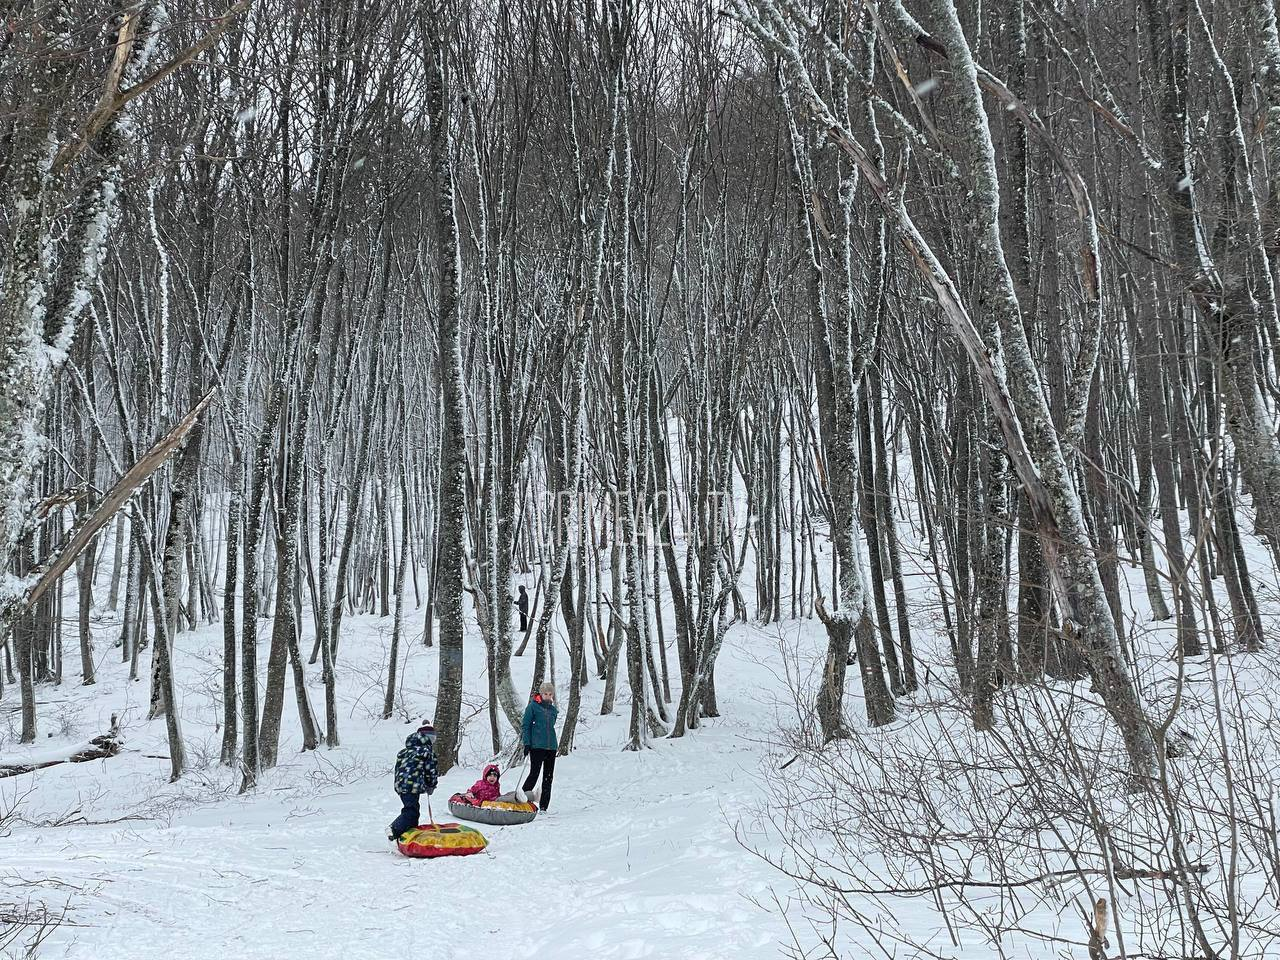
(661, 853)
(639, 858)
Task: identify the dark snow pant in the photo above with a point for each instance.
(544, 762)
(408, 818)
(524, 621)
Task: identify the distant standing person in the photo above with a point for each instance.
(538, 734)
(522, 604)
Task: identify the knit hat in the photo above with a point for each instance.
(428, 729)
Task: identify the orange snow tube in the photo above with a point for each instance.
(441, 840)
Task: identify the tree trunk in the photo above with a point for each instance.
(452, 506)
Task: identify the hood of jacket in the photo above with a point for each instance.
(421, 740)
(482, 789)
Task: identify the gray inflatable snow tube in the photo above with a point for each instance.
(496, 813)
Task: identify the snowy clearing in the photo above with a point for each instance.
(637, 859)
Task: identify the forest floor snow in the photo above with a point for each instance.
(642, 855)
(650, 854)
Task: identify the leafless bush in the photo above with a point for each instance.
(11, 799)
(799, 678)
(372, 684)
(1021, 831)
(66, 723)
(8, 726)
(24, 927)
(335, 770)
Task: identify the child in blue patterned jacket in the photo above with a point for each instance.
(415, 774)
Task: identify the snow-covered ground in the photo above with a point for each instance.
(650, 854)
(640, 856)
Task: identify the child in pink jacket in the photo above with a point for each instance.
(486, 788)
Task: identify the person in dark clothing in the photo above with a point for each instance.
(522, 604)
(415, 774)
(538, 734)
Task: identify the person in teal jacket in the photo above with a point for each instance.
(538, 734)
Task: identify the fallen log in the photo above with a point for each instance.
(99, 748)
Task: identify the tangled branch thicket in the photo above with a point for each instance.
(1020, 830)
